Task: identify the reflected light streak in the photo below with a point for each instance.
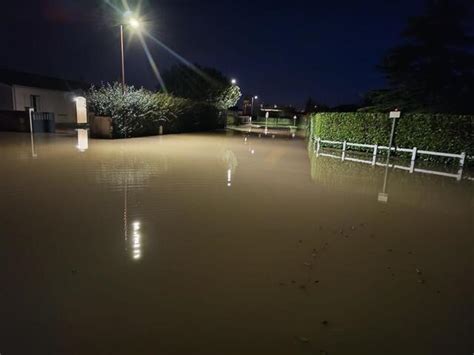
(229, 177)
(136, 247)
(82, 140)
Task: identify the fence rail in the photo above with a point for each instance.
(318, 142)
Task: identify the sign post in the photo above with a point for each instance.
(393, 115)
(383, 196)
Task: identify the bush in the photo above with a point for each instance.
(139, 112)
(436, 132)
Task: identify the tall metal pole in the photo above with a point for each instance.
(394, 115)
(123, 58)
(251, 110)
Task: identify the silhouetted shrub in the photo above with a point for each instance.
(139, 112)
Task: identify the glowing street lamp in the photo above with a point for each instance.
(251, 107)
(233, 81)
(134, 23)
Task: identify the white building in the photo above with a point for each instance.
(19, 91)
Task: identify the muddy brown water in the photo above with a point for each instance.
(223, 243)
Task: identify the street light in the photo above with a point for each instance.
(135, 24)
(233, 81)
(251, 107)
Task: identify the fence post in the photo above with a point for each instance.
(374, 159)
(318, 145)
(344, 144)
(413, 154)
(462, 159)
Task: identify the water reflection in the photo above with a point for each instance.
(360, 176)
(132, 170)
(383, 196)
(136, 241)
(230, 161)
(82, 140)
(33, 148)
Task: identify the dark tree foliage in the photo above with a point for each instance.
(312, 106)
(201, 84)
(433, 71)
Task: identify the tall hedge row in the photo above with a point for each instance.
(436, 132)
(139, 112)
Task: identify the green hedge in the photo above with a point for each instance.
(436, 132)
(139, 112)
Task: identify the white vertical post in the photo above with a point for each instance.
(33, 152)
(462, 159)
(413, 154)
(374, 158)
(413, 158)
(344, 144)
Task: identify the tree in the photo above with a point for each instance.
(312, 106)
(202, 84)
(433, 71)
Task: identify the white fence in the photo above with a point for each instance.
(318, 143)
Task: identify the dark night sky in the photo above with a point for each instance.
(283, 51)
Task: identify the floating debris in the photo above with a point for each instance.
(418, 271)
(307, 264)
(353, 228)
(300, 241)
(313, 255)
(389, 250)
(324, 322)
(421, 281)
(316, 281)
(293, 281)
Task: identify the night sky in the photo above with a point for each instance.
(284, 51)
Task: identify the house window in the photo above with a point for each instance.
(35, 102)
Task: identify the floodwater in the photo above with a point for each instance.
(224, 243)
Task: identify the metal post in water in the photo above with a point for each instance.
(344, 144)
(33, 152)
(374, 159)
(413, 158)
(462, 159)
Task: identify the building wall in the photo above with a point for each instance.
(61, 103)
(6, 97)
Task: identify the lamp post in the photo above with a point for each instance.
(134, 23)
(251, 107)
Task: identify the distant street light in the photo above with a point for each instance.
(233, 81)
(251, 107)
(135, 24)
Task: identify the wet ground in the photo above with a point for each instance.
(223, 243)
